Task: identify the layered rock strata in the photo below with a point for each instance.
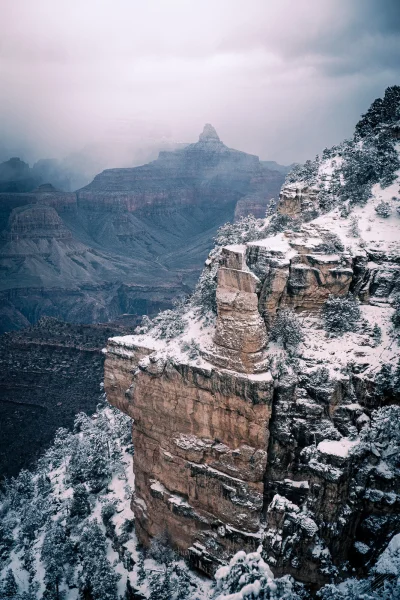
(48, 374)
(142, 233)
(228, 455)
(200, 438)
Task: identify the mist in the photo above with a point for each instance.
(111, 82)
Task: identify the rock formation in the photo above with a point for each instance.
(242, 443)
(16, 176)
(48, 373)
(126, 243)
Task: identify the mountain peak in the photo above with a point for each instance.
(209, 134)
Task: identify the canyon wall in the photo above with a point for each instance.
(130, 241)
(244, 443)
(48, 373)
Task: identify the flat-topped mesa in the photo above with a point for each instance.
(36, 221)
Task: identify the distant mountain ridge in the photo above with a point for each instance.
(129, 241)
(274, 166)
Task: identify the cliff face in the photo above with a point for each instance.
(240, 442)
(128, 242)
(200, 440)
(48, 373)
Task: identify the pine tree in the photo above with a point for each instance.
(396, 314)
(396, 379)
(141, 572)
(23, 488)
(161, 549)
(132, 593)
(43, 486)
(33, 516)
(204, 295)
(160, 586)
(341, 314)
(353, 227)
(377, 334)
(287, 330)
(6, 540)
(56, 553)
(104, 581)
(182, 584)
(10, 588)
(29, 562)
(80, 506)
(32, 592)
(98, 577)
(384, 380)
(383, 209)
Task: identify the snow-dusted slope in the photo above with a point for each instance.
(67, 527)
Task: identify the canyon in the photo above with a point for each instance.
(241, 443)
(130, 241)
(48, 373)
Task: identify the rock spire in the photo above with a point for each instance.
(209, 134)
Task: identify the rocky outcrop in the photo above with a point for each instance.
(246, 444)
(297, 200)
(36, 222)
(48, 271)
(16, 176)
(240, 333)
(200, 440)
(204, 174)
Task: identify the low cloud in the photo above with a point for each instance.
(281, 79)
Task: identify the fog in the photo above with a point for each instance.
(115, 80)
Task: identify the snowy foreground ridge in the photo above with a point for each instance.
(52, 532)
(67, 528)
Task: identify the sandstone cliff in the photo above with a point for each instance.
(240, 439)
(227, 454)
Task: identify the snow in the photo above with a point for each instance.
(158, 487)
(282, 504)
(237, 248)
(265, 376)
(178, 501)
(361, 547)
(335, 353)
(192, 442)
(327, 168)
(340, 448)
(297, 484)
(276, 243)
(383, 233)
(173, 349)
(389, 561)
(118, 489)
(139, 502)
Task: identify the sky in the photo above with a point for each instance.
(278, 78)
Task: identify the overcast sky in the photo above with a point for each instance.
(277, 78)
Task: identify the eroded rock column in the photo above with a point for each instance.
(240, 334)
